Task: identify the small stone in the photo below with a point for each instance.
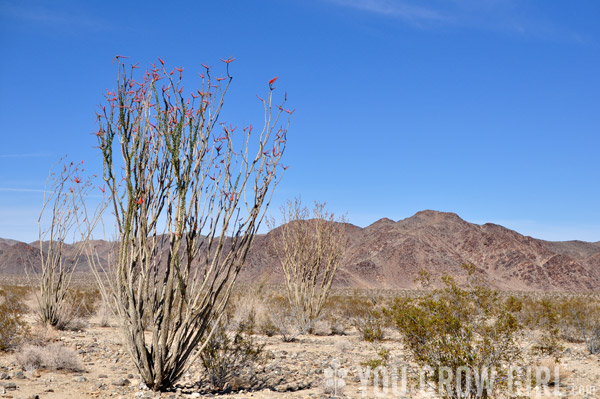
(80, 379)
(121, 382)
(130, 376)
(34, 397)
(10, 386)
(102, 376)
(195, 395)
(4, 376)
(2, 390)
(19, 375)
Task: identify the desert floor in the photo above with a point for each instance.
(292, 370)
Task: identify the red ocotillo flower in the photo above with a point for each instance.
(140, 201)
(273, 80)
(228, 60)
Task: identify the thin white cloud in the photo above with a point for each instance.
(20, 190)
(27, 155)
(54, 17)
(507, 16)
(395, 9)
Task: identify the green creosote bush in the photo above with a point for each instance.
(471, 328)
(13, 329)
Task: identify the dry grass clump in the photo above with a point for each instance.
(54, 356)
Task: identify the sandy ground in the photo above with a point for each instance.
(294, 370)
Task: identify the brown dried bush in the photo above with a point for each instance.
(54, 356)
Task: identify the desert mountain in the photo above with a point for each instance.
(389, 254)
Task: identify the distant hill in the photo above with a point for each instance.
(389, 254)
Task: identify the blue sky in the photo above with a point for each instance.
(486, 108)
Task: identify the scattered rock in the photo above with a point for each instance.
(19, 375)
(10, 386)
(121, 382)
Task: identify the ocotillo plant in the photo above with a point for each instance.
(189, 194)
(310, 247)
(62, 215)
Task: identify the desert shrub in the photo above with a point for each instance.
(382, 359)
(77, 307)
(83, 302)
(286, 319)
(467, 330)
(334, 315)
(366, 316)
(54, 356)
(13, 329)
(268, 328)
(228, 354)
(247, 309)
(542, 317)
(582, 316)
